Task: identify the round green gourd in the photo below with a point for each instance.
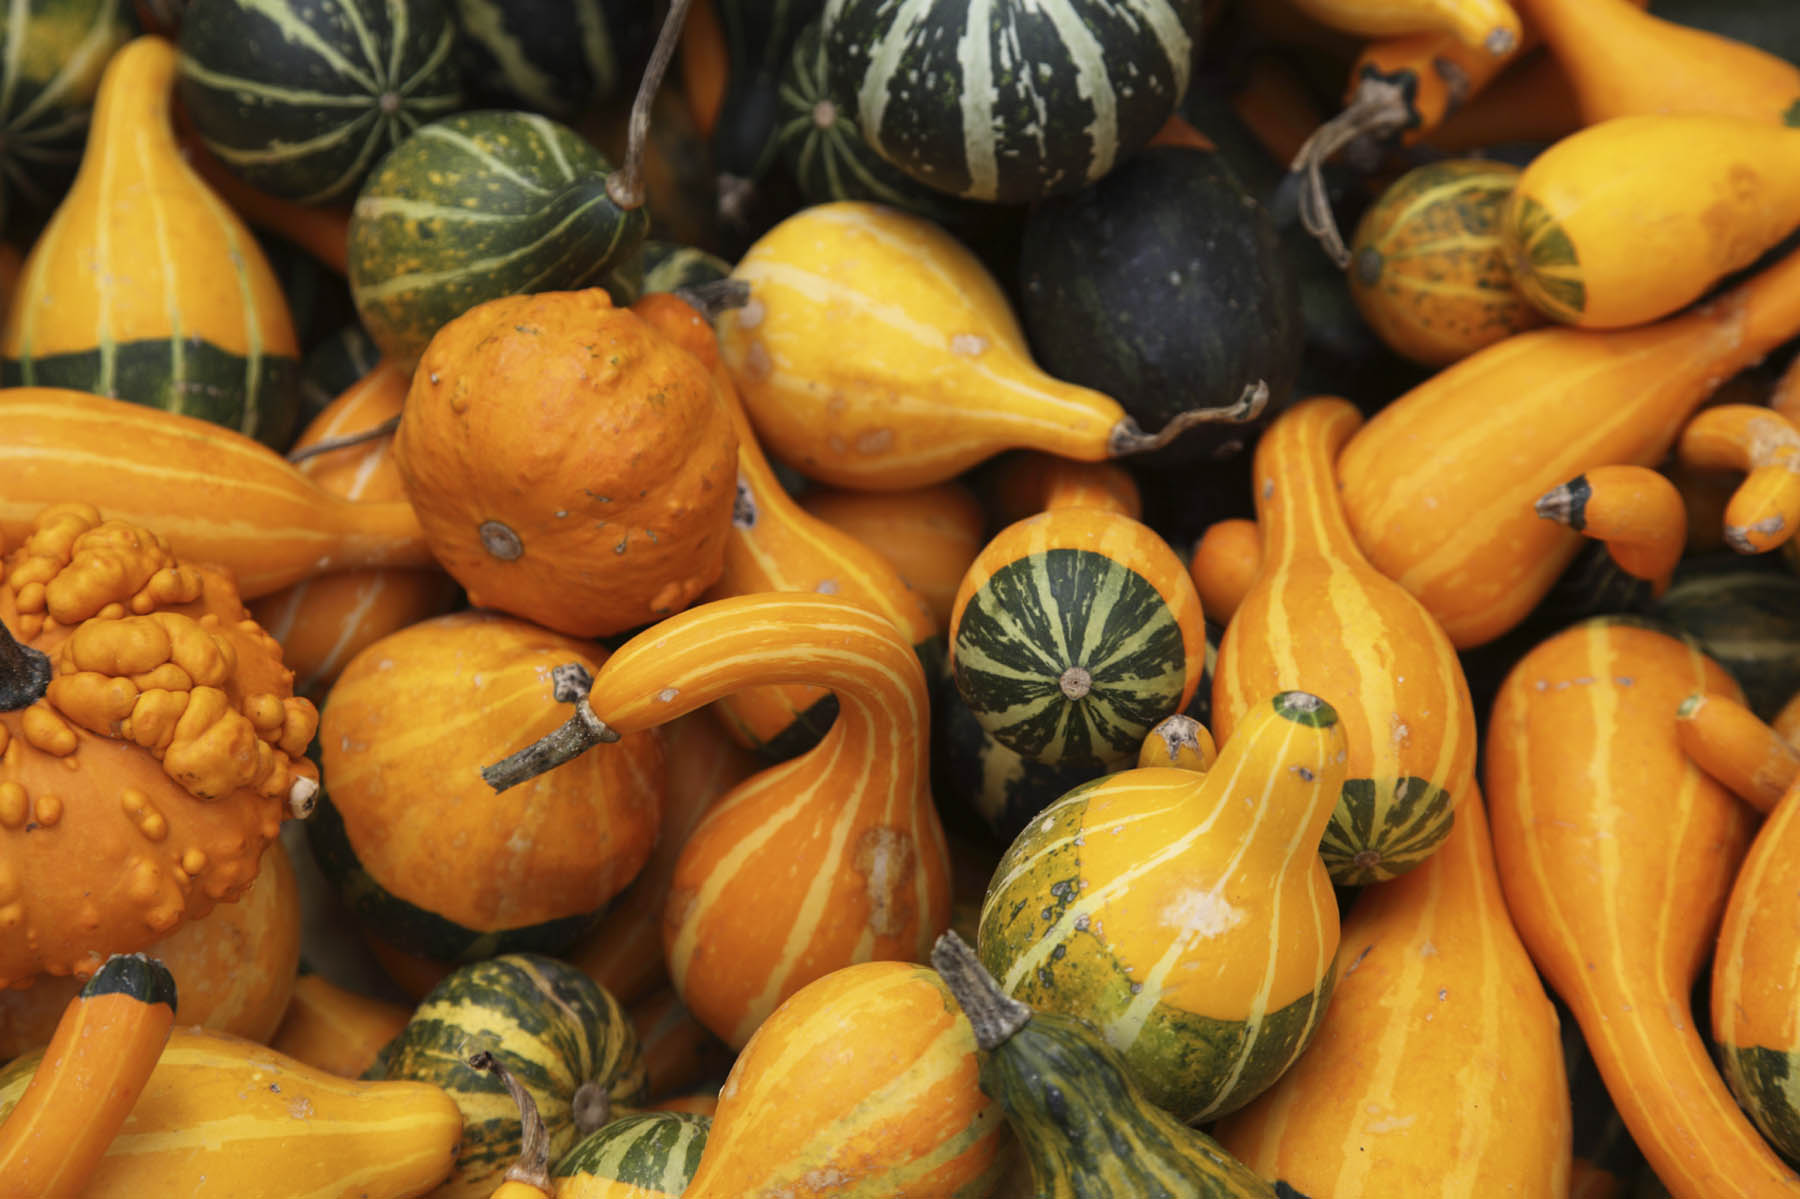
(654, 1152)
(668, 266)
(1012, 100)
(301, 98)
(481, 205)
(556, 57)
(1748, 618)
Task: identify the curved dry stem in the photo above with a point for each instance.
(24, 672)
(992, 1015)
(625, 186)
(715, 297)
(1128, 438)
(533, 1166)
(1377, 110)
(569, 740)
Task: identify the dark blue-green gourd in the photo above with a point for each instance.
(557, 57)
(759, 39)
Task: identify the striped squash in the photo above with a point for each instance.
(1603, 1158)
(48, 76)
(481, 205)
(164, 300)
(1076, 630)
(300, 99)
(1186, 915)
(222, 1118)
(1438, 1068)
(566, 1040)
(1748, 620)
(862, 1085)
(645, 1155)
(1321, 619)
(759, 37)
(1005, 789)
(668, 266)
(323, 622)
(940, 91)
(556, 57)
(930, 534)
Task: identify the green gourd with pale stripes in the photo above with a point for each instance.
(556, 57)
(1013, 100)
(301, 98)
(643, 1155)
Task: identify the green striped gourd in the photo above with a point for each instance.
(646, 1155)
(759, 39)
(51, 56)
(1187, 915)
(1320, 618)
(1085, 1124)
(165, 300)
(1000, 785)
(333, 366)
(556, 57)
(561, 1035)
(668, 266)
(1748, 620)
(301, 98)
(940, 88)
(481, 205)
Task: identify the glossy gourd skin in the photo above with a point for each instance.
(1195, 930)
(1438, 1068)
(1613, 848)
(1320, 618)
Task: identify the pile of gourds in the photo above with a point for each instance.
(867, 599)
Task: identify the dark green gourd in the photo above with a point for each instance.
(654, 1152)
(759, 39)
(1218, 314)
(999, 785)
(1085, 1127)
(1745, 617)
(301, 98)
(668, 266)
(556, 57)
(1012, 100)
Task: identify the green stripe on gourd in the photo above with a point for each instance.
(482, 205)
(1546, 267)
(656, 1152)
(409, 927)
(1068, 657)
(1003, 788)
(1010, 101)
(301, 98)
(1747, 619)
(1767, 1084)
(51, 56)
(556, 57)
(1381, 828)
(332, 366)
(563, 1037)
(668, 266)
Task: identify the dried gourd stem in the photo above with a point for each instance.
(533, 1165)
(24, 672)
(625, 186)
(1128, 438)
(574, 737)
(992, 1015)
(712, 298)
(372, 433)
(1377, 110)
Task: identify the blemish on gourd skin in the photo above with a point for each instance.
(884, 858)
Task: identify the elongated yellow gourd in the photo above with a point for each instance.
(1438, 1069)
(1319, 618)
(940, 377)
(1629, 220)
(1731, 743)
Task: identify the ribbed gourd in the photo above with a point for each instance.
(556, 57)
(644, 1155)
(758, 38)
(1186, 915)
(1321, 619)
(301, 98)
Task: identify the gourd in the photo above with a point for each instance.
(548, 480)
(1561, 224)
(1003, 788)
(1105, 79)
(82, 1089)
(931, 324)
(222, 1117)
(825, 860)
(1491, 25)
(549, 56)
(1510, 422)
(1076, 629)
(1764, 510)
(152, 743)
(1438, 1029)
(1584, 771)
(565, 1039)
(1320, 618)
(203, 327)
(1195, 931)
(886, 1037)
(324, 621)
(301, 101)
(1727, 740)
(1224, 566)
(704, 65)
(178, 475)
(1638, 512)
(929, 534)
(678, 1052)
(426, 855)
(758, 37)
(336, 1030)
(645, 1155)
(1748, 621)
(1086, 1127)
(1427, 269)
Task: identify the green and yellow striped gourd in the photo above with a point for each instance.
(557, 57)
(646, 1155)
(1321, 619)
(1186, 915)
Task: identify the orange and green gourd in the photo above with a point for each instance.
(644, 1155)
(1186, 915)
(1320, 618)
(930, 534)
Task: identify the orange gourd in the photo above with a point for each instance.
(1727, 740)
(1531, 102)
(1637, 512)
(678, 1052)
(1616, 855)
(1225, 564)
(1491, 25)
(1320, 618)
(568, 463)
(705, 65)
(336, 1030)
(1438, 1068)
(1764, 510)
(930, 534)
(324, 621)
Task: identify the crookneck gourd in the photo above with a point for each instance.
(1319, 618)
(1076, 629)
(1187, 915)
(827, 859)
(152, 743)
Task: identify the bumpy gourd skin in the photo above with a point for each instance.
(142, 787)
